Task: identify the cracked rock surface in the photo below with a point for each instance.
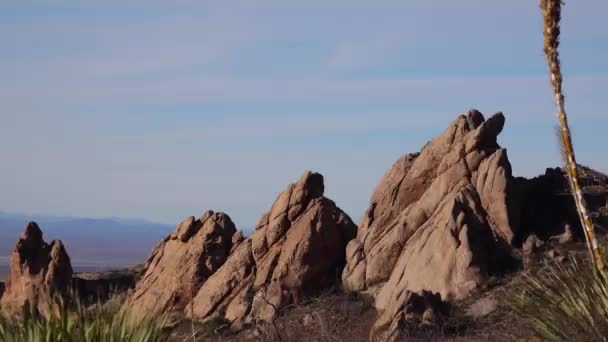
(180, 264)
(437, 219)
(39, 272)
(296, 251)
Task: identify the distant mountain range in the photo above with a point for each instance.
(108, 242)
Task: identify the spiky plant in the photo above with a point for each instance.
(73, 322)
(551, 10)
(564, 302)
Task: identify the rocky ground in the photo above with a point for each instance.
(338, 316)
(448, 235)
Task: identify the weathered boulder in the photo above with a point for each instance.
(410, 311)
(565, 237)
(482, 307)
(181, 263)
(531, 245)
(436, 217)
(296, 251)
(40, 273)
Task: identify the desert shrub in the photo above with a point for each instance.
(76, 323)
(564, 302)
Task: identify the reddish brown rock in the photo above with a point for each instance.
(40, 273)
(566, 236)
(531, 245)
(436, 216)
(297, 251)
(181, 263)
(410, 311)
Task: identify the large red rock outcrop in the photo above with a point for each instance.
(296, 251)
(436, 216)
(181, 263)
(40, 272)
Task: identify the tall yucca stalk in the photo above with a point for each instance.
(551, 17)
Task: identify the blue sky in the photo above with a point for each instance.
(161, 109)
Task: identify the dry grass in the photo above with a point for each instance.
(74, 322)
(338, 316)
(564, 302)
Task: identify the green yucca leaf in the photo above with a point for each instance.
(72, 322)
(564, 302)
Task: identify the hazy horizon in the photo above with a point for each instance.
(92, 244)
(159, 111)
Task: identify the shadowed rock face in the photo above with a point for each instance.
(39, 272)
(296, 251)
(548, 205)
(436, 216)
(93, 287)
(182, 262)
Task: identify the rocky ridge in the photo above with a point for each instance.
(296, 251)
(39, 273)
(180, 264)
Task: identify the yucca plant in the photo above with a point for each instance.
(564, 302)
(551, 11)
(75, 323)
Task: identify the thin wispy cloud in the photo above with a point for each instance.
(161, 110)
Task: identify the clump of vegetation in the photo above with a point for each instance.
(76, 323)
(551, 12)
(565, 302)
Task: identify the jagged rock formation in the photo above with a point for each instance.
(438, 219)
(181, 263)
(296, 251)
(436, 216)
(39, 273)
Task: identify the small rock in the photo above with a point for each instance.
(532, 244)
(425, 325)
(428, 315)
(567, 236)
(482, 307)
(561, 259)
(308, 320)
(410, 317)
(255, 333)
(551, 254)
